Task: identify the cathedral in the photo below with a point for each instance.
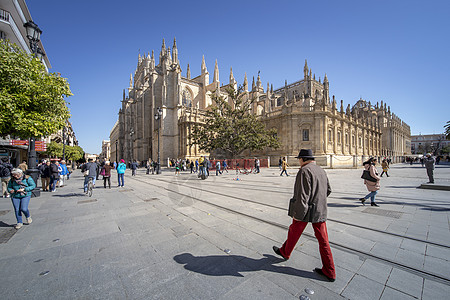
(162, 106)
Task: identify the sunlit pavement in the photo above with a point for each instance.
(179, 237)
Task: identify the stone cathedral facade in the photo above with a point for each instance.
(303, 113)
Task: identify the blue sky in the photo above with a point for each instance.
(395, 51)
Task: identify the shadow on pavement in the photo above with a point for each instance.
(3, 224)
(70, 195)
(232, 265)
(343, 205)
(402, 186)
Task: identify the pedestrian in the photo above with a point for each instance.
(5, 174)
(120, 172)
(284, 166)
(133, 168)
(191, 166)
(23, 166)
(257, 164)
(280, 163)
(148, 166)
(62, 173)
(54, 175)
(20, 187)
(385, 167)
(208, 165)
(422, 161)
(309, 204)
(115, 165)
(91, 172)
(429, 165)
(196, 166)
(44, 170)
(224, 166)
(98, 166)
(372, 186)
(106, 173)
(218, 168)
(177, 167)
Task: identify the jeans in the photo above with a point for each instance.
(86, 180)
(53, 180)
(21, 206)
(107, 178)
(371, 195)
(284, 171)
(120, 177)
(133, 172)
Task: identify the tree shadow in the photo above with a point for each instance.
(233, 265)
(70, 195)
(3, 224)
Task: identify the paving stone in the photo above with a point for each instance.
(406, 282)
(375, 270)
(361, 288)
(435, 290)
(391, 294)
(437, 266)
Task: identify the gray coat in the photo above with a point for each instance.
(429, 162)
(311, 189)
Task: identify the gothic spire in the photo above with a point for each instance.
(258, 81)
(305, 69)
(131, 80)
(188, 72)
(174, 52)
(152, 60)
(204, 70)
(231, 75)
(245, 82)
(253, 83)
(216, 73)
(325, 79)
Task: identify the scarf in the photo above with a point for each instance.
(20, 184)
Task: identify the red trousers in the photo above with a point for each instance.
(320, 231)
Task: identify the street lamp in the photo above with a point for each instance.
(116, 150)
(131, 144)
(158, 116)
(33, 35)
(64, 143)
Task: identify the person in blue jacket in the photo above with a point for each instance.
(20, 187)
(121, 171)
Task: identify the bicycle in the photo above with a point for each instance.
(246, 171)
(90, 187)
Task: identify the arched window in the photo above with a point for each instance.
(186, 98)
(330, 136)
(339, 137)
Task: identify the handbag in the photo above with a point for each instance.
(86, 173)
(366, 175)
(103, 172)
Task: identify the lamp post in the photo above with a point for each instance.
(158, 116)
(131, 144)
(116, 150)
(64, 143)
(33, 35)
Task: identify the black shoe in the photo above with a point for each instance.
(320, 272)
(362, 201)
(374, 204)
(277, 251)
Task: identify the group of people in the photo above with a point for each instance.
(92, 170)
(53, 174)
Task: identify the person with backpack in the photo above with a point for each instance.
(91, 172)
(120, 172)
(133, 167)
(106, 173)
(20, 187)
(54, 175)
(5, 174)
(62, 168)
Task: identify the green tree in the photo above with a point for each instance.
(447, 130)
(31, 100)
(230, 127)
(74, 153)
(54, 149)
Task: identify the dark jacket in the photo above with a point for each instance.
(54, 170)
(311, 189)
(46, 172)
(429, 162)
(5, 169)
(134, 166)
(107, 169)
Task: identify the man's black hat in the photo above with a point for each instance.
(305, 153)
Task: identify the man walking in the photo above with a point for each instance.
(309, 204)
(133, 167)
(429, 165)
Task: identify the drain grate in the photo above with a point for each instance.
(87, 201)
(6, 234)
(383, 212)
(3, 212)
(151, 199)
